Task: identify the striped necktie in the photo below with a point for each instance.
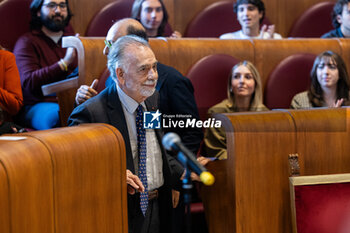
(141, 145)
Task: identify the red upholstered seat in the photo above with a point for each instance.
(108, 15)
(215, 20)
(14, 21)
(291, 76)
(321, 203)
(102, 80)
(314, 22)
(209, 78)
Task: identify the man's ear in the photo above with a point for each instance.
(339, 19)
(38, 13)
(120, 75)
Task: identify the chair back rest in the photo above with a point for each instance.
(307, 26)
(107, 16)
(209, 78)
(320, 203)
(215, 20)
(14, 18)
(291, 76)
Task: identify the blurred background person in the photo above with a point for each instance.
(340, 20)
(11, 99)
(250, 14)
(329, 84)
(153, 15)
(42, 60)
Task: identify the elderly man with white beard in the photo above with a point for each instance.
(151, 172)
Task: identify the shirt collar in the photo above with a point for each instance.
(129, 103)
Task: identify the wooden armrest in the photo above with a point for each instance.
(60, 86)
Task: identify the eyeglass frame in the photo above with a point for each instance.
(108, 43)
(53, 5)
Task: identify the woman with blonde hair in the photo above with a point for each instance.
(244, 91)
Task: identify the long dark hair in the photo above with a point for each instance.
(35, 6)
(316, 93)
(136, 11)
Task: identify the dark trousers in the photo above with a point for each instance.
(150, 223)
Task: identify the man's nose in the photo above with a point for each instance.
(152, 74)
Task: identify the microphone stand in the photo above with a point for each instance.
(187, 187)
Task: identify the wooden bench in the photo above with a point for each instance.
(182, 54)
(251, 193)
(65, 180)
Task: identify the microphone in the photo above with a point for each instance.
(172, 142)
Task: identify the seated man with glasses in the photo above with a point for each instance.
(41, 60)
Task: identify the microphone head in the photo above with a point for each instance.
(170, 139)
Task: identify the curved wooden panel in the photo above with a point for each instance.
(345, 53)
(256, 172)
(89, 180)
(185, 53)
(323, 140)
(4, 201)
(29, 172)
(64, 180)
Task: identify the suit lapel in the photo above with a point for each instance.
(117, 119)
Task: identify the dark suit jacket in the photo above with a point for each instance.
(107, 108)
(176, 97)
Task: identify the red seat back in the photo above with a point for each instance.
(215, 20)
(111, 13)
(321, 203)
(209, 78)
(314, 22)
(291, 76)
(14, 18)
(104, 19)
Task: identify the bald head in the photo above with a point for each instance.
(124, 27)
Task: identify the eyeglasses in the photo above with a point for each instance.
(53, 5)
(108, 43)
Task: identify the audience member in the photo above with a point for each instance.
(153, 16)
(340, 20)
(329, 84)
(42, 60)
(250, 14)
(244, 93)
(11, 99)
(175, 90)
(133, 67)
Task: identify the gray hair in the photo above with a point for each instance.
(116, 56)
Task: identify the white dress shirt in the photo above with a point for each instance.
(154, 161)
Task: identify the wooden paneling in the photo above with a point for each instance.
(64, 180)
(184, 53)
(252, 190)
(30, 185)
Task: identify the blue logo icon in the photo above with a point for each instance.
(151, 120)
